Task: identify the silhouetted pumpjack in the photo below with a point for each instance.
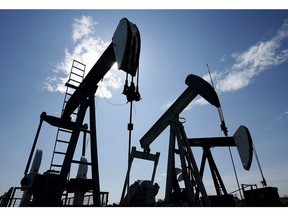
(47, 189)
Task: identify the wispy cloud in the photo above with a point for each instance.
(83, 27)
(167, 105)
(249, 64)
(170, 102)
(87, 49)
(254, 61)
(282, 116)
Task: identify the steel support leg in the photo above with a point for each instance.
(218, 183)
(183, 141)
(170, 166)
(94, 152)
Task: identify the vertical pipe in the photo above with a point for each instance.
(84, 144)
(130, 128)
(34, 143)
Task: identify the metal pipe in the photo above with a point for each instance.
(94, 152)
(264, 184)
(34, 143)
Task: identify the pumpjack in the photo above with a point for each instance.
(189, 170)
(48, 189)
(54, 187)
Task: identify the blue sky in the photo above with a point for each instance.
(247, 52)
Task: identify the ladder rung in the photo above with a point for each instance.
(65, 101)
(79, 63)
(53, 171)
(73, 80)
(66, 131)
(62, 153)
(87, 131)
(70, 85)
(81, 162)
(56, 165)
(76, 73)
(62, 141)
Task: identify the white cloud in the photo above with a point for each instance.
(199, 101)
(283, 116)
(223, 59)
(87, 49)
(248, 64)
(82, 27)
(257, 59)
(167, 105)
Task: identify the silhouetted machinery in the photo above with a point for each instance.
(142, 192)
(49, 188)
(52, 188)
(190, 173)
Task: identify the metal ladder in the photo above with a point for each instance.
(63, 135)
